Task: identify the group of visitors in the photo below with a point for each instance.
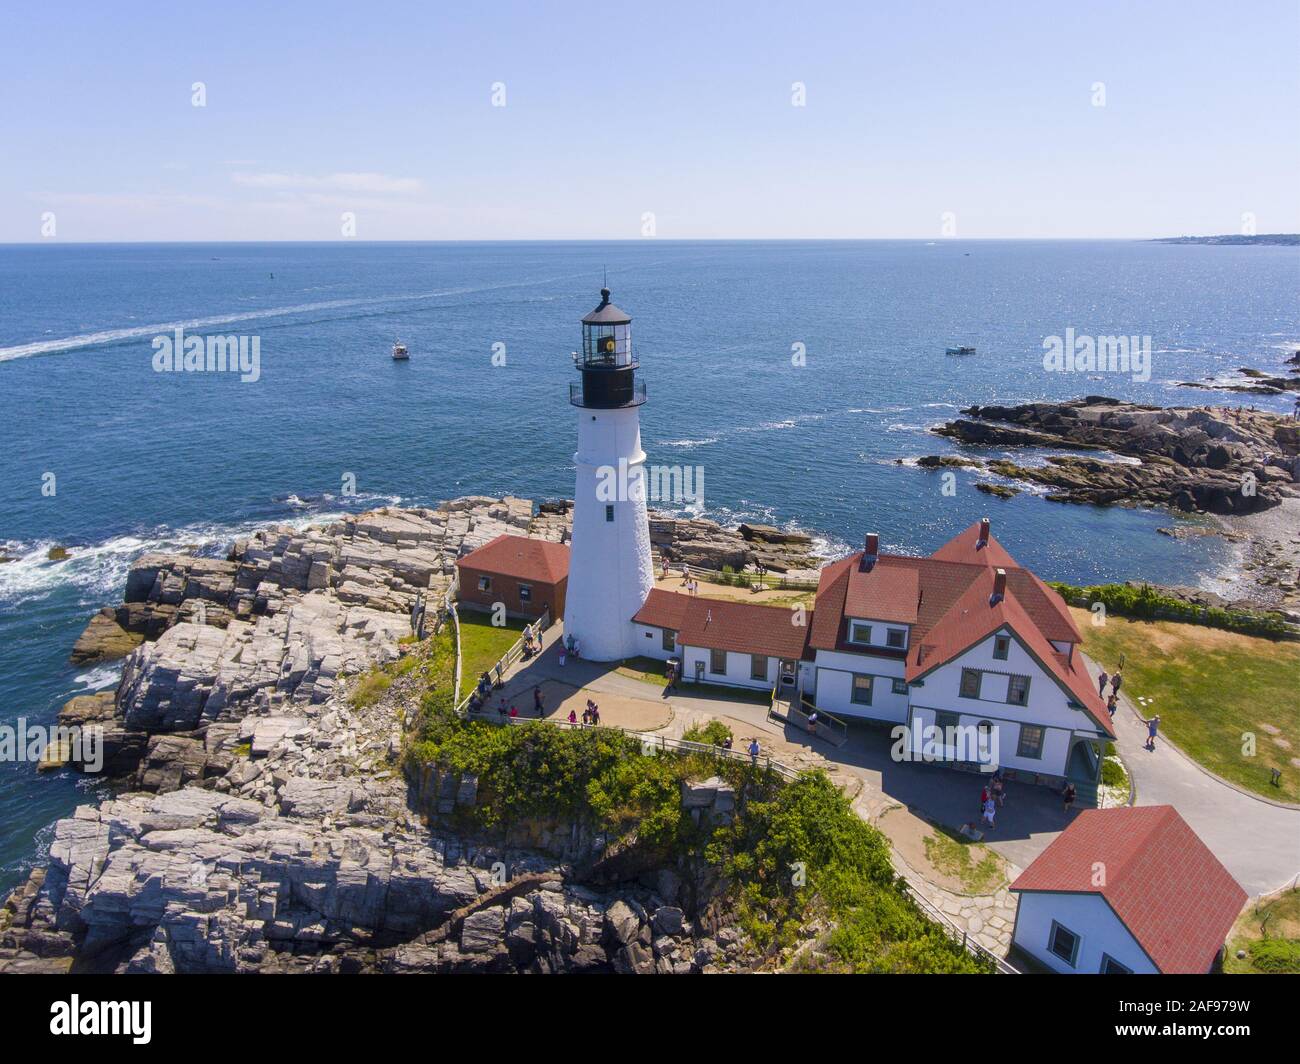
(570, 646)
(532, 640)
(1112, 703)
(992, 796)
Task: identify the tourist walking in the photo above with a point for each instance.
(990, 812)
(812, 723)
(1153, 726)
(1112, 703)
(984, 796)
(753, 751)
(573, 717)
(513, 713)
(1067, 796)
(537, 701)
(1115, 681)
(1101, 683)
(997, 790)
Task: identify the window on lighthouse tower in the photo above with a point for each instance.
(609, 511)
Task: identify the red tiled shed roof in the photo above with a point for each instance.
(663, 609)
(521, 557)
(1161, 880)
(723, 624)
(883, 593)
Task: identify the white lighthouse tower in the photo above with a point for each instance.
(610, 572)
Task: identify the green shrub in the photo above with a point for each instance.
(1112, 773)
(1145, 601)
(714, 733)
(1276, 956)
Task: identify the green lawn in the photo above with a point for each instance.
(1216, 693)
(482, 644)
(647, 670)
(1269, 934)
(979, 869)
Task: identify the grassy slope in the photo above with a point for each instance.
(1277, 919)
(1210, 688)
(482, 644)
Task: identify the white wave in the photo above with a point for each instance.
(113, 336)
(100, 677)
(904, 426)
(689, 443)
(98, 571)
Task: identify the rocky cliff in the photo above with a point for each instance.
(266, 826)
(1226, 460)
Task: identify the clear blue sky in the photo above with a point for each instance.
(614, 109)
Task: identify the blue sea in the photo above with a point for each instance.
(147, 460)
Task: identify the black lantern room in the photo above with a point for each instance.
(608, 368)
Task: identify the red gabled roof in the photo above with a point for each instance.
(520, 557)
(966, 547)
(1161, 880)
(724, 624)
(948, 596)
(663, 609)
(882, 593)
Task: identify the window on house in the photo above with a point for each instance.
(609, 511)
(1110, 966)
(861, 693)
(1031, 741)
(970, 683)
(944, 721)
(669, 640)
(1001, 646)
(718, 662)
(896, 638)
(899, 687)
(485, 583)
(757, 667)
(1064, 943)
(525, 592)
(859, 632)
(1018, 690)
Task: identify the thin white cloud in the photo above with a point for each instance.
(340, 182)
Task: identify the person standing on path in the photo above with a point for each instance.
(1112, 703)
(1153, 726)
(1101, 683)
(1115, 681)
(1067, 796)
(537, 702)
(990, 812)
(753, 751)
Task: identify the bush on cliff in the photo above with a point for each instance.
(1146, 602)
(805, 851)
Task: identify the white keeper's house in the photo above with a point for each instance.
(965, 637)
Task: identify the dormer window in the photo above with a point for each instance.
(1001, 646)
(896, 638)
(859, 632)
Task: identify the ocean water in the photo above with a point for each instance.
(146, 460)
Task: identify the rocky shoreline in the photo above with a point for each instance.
(1237, 467)
(265, 823)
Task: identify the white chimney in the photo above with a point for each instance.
(984, 532)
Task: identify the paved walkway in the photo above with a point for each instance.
(1259, 843)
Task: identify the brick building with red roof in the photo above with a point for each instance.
(526, 575)
(1126, 890)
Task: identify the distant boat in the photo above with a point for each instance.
(399, 351)
(960, 350)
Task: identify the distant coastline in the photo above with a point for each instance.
(1281, 239)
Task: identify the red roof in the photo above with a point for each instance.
(663, 609)
(949, 596)
(1169, 890)
(521, 557)
(882, 593)
(725, 624)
